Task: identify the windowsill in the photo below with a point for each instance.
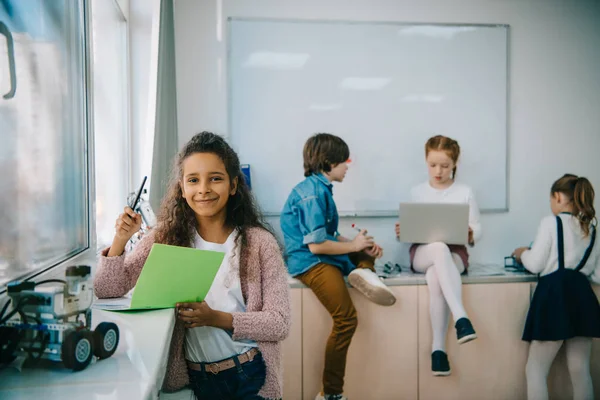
(135, 371)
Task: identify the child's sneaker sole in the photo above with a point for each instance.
(378, 295)
(467, 338)
(441, 373)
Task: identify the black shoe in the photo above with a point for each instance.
(439, 363)
(464, 331)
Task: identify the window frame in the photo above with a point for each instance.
(88, 253)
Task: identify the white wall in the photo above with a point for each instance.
(554, 100)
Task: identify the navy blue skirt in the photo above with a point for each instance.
(564, 306)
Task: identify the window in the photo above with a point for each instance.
(45, 180)
(111, 115)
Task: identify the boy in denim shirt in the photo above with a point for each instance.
(320, 258)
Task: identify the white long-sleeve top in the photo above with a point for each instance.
(456, 193)
(542, 258)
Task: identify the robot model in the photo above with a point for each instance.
(52, 320)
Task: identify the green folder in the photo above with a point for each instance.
(173, 275)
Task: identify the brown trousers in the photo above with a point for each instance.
(327, 283)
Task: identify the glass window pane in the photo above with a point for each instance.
(43, 162)
(111, 124)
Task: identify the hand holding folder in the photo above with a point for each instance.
(170, 275)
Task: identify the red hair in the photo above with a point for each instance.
(443, 143)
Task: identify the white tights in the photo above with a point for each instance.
(541, 356)
(442, 270)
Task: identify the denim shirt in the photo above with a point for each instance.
(310, 216)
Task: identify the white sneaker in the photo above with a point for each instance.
(321, 396)
(368, 283)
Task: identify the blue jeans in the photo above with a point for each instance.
(242, 382)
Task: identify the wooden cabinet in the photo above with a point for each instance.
(493, 365)
(292, 352)
(390, 355)
(382, 358)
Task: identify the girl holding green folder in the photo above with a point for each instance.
(228, 346)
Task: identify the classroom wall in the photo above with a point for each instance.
(554, 93)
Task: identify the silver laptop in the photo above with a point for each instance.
(434, 222)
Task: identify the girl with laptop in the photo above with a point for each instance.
(564, 308)
(442, 264)
(228, 346)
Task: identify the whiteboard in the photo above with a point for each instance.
(385, 88)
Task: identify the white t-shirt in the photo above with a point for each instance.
(206, 343)
(456, 193)
(543, 257)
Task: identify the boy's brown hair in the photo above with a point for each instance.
(323, 150)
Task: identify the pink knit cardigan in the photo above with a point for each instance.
(265, 290)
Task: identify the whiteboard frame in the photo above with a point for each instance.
(378, 213)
